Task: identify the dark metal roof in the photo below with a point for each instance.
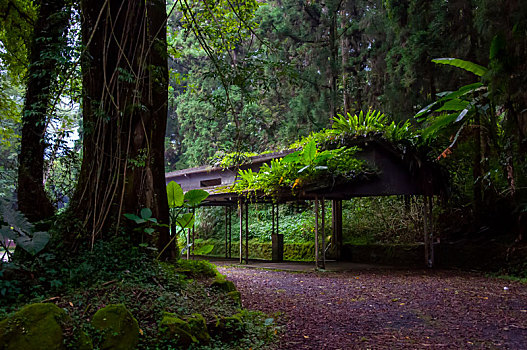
(399, 173)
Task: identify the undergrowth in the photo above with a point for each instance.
(115, 272)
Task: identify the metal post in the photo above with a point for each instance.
(247, 234)
(336, 218)
(226, 234)
(323, 233)
(316, 232)
(240, 210)
(431, 228)
(193, 230)
(272, 219)
(277, 220)
(426, 231)
(230, 231)
(188, 244)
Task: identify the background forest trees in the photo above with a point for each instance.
(254, 76)
(305, 61)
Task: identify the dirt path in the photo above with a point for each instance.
(388, 309)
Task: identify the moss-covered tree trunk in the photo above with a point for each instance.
(45, 52)
(125, 79)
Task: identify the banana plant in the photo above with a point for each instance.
(455, 107)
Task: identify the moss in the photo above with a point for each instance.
(120, 329)
(83, 341)
(195, 268)
(198, 328)
(176, 331)
(235, 296)
(228, 328)
(35, 326)
(263, 250)
(223, 284)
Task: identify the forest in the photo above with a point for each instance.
(101, 99)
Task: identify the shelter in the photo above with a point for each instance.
(399, 172)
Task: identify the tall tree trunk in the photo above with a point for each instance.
(477, 172)
(345, 49)
(44, 53)
(334, 52)
(125, 77)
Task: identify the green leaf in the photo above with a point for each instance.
(447, 96)
(195, 197)
(185, 220)
(310, 151)
(7, 233)
(438, 124)
(292, 157)
(13, 218)
(135, 218)
(149, 230)
(466, 65)
(146, 213)
(204, 250)
(33, 244)
(175, 195)
(453, 105)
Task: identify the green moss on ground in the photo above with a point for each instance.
(175, 331)
(119, 328)
(35, 326)
(223, 284)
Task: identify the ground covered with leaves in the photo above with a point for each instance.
(388, 309)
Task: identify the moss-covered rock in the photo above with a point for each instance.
(228, 328)
(119, 328)
(235, 296)
(35, 326)
(198, 328)
(83, 341)
(223, 284)
(176, 331)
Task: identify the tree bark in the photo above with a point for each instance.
(44, 53)
(125, 77)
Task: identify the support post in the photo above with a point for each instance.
(336, 218)
(240, 211)
(323, 265)
(316, 232)
(230, 231)
(272, 219)
(226, 233)
(188, 244)
(431, 228)
(193, 231)
(277, 245)
(428, 231)
(246, 233)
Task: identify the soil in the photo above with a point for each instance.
(387, 308)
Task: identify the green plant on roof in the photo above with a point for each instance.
(372, 123)
(299, 169)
